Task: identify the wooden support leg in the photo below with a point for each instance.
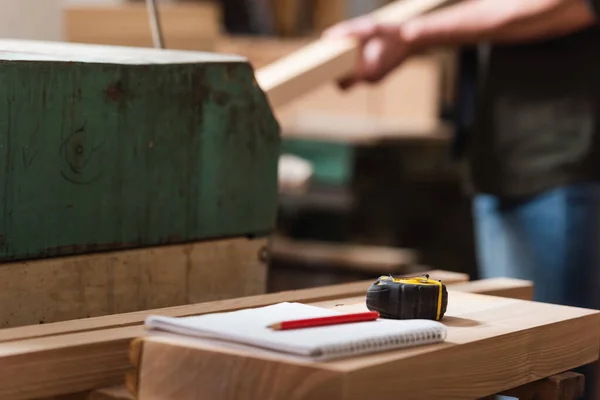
(565, 386)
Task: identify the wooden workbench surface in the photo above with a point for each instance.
(493, 344)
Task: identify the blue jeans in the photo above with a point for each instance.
(552, 239)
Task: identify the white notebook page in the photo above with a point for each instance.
(250, 326)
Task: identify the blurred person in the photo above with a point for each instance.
(533, 148)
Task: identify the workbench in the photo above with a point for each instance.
(499, 338)
(494, 344)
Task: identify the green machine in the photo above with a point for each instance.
(107, 148)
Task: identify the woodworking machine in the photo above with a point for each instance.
(108, 148)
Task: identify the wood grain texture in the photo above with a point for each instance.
(325, 59)
(130, 148)
(186, 26)
(77, 356)
(493, 344)
(69, 288)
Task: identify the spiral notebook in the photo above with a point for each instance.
(250, 327)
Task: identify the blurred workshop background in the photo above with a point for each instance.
(380, 158)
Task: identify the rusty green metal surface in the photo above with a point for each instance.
(100, 156)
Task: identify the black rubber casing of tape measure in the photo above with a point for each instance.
(409, 298)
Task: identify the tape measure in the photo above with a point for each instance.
(408, 298)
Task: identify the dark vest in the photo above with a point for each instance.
(536, 121)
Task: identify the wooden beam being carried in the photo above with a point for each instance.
(325, 59)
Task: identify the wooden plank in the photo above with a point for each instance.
(68, 288)
(493, 344)
(90, 325)
(76, 356)
(186, 26)
(411, 96)
(325, 59)
(502, 287)
(136, 150)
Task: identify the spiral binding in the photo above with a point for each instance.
(404, 340)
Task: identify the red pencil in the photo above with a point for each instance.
(322, 321)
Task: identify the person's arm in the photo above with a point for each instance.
(384, 47)
(500, 21)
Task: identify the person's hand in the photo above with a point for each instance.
(382, 47)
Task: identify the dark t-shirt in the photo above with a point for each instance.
(537, 119)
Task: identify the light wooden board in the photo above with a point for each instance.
(68, 288)
(325, 60)
(411, 95)
(493, 344)
(186, 26)
(81, 355)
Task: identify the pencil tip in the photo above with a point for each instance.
(275, 327)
